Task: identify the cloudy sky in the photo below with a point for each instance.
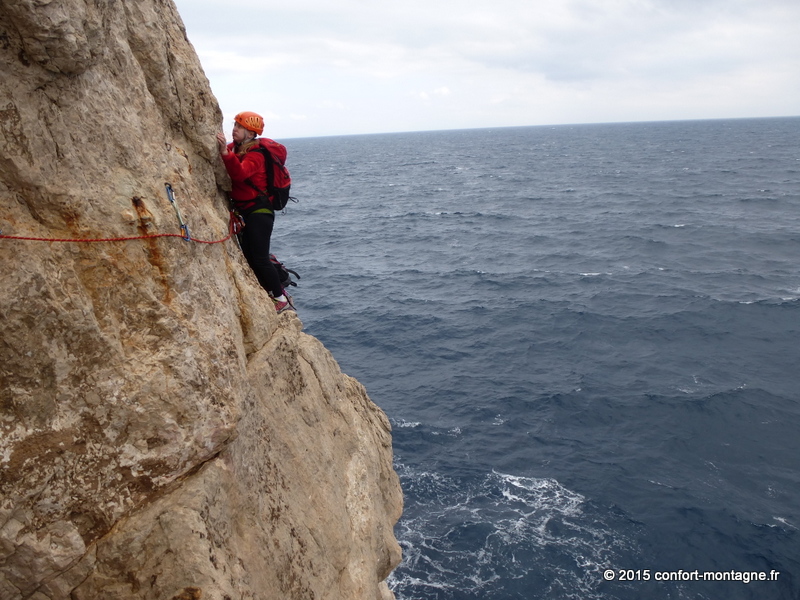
(332, 67)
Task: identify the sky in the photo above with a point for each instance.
(342, 67)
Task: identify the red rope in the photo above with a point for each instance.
(232, 228)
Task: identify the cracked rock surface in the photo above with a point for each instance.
(163, 433)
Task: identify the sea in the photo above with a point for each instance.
(587, 341)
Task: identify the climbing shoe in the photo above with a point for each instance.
(283, 306)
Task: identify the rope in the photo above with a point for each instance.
(234, 226)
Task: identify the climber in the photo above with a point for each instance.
(247, 170)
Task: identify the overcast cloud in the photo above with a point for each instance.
(328, 67)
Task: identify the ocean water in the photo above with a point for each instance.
(586, 340)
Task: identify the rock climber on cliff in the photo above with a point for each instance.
(247, 169)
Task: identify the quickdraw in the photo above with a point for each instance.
(184, 226)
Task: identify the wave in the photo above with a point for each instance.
(499, 535)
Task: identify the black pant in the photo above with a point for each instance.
(255, 245)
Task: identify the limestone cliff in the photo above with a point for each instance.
(163, 433)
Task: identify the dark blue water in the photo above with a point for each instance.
(586, 338)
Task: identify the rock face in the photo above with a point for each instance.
(163, 433)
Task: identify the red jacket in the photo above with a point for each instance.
(250, 166)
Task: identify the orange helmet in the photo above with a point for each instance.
(250, 121)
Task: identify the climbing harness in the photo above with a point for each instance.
(237, 222)
(235, 225)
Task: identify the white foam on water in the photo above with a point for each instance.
(492, 534)
(783, 521)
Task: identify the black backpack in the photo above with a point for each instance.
(284, 273)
